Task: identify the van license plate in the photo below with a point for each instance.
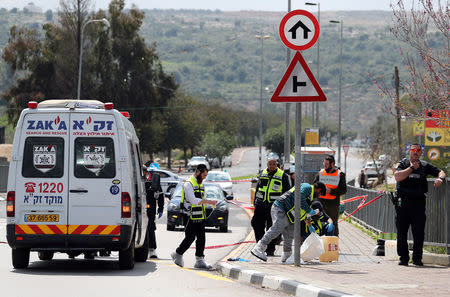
(41, 218)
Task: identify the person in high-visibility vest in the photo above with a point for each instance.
(334, 180)
(283, 219)
(272, 183)
(193, 200)
(321, 222)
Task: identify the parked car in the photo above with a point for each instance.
(223, 179)
(216, 217)
(226, 162)
(370, 169)
(168, 179)
(195, 161)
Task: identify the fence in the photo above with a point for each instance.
(380, 215)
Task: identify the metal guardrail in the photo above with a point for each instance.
(380, 215)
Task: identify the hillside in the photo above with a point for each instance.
(214, 55)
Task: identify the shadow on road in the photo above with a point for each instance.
(106, 267)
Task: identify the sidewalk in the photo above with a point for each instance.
(356, 272)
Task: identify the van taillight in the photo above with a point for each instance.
(10, 201)
(126, 205)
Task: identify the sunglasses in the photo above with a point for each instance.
(415, 150)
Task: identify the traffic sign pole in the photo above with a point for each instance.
(299, 30)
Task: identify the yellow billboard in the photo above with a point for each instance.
(311, 136)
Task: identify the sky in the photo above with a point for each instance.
(225, 5)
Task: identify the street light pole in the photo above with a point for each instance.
(287, 130)
(106, 22)
(341, 22)
(262, 37)
(316, 104)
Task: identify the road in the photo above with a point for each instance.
(102, 277)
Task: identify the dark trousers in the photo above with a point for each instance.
(331, 208)
(262, 221)
(411, 212)
(192, 231)
(151, 227)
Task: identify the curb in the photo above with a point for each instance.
(279, 283)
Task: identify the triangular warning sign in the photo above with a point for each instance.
(298, 84)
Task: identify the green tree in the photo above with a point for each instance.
(382, 141)
(217, 145)
(118, 65)
(273, 140)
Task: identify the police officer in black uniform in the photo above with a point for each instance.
(411, 176)
(155, 201)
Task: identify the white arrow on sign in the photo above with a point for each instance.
(298, 84)
(299, 30)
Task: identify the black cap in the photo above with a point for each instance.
(202, 167)
(317, 205)
(321, 186)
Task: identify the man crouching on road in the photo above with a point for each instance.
(283, 219)
(193, 199)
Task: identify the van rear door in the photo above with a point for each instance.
(41, 181)
(94, 193)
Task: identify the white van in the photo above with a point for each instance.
(75, 183)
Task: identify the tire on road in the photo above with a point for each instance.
(20, 258)
(170, 227)
(141, 254)
(126, 257)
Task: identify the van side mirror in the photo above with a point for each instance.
(229, 197)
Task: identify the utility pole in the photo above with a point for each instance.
(397, 109)
(287, 132)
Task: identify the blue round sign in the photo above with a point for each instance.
(114, 189)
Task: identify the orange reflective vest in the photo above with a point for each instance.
(331, 180)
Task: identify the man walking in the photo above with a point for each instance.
(193, 200)
(411, 177)
(283, 213)
(334, 180)
(271, 184)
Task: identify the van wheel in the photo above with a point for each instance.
(20, 258)
(126, 257)
(45, 255)
(141, 253)
(170, 227)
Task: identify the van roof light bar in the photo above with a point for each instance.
(32, 104)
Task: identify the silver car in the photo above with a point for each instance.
(169, 180)
(371, 171)
(223, 179)
(195, 161)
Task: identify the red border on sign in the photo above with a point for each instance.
(316, 29)
(276, 95)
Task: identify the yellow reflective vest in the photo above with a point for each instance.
(291, 213)
(270, 188)
(197, 212)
